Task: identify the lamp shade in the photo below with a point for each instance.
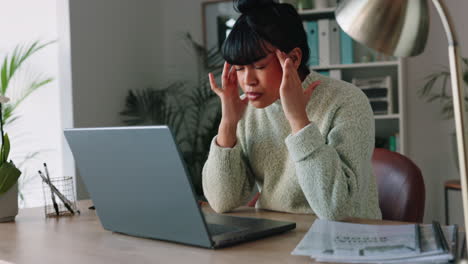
(393, 27)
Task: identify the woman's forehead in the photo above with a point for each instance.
(265, 58)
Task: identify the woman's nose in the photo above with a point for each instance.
(250, 77)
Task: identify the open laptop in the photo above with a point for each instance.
(140, 187)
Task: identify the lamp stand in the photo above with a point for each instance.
(458, 93)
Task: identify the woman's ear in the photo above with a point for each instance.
(296, 56)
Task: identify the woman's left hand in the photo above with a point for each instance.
(293, 98)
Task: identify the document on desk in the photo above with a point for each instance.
(330, 241)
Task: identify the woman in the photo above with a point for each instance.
(306, 140)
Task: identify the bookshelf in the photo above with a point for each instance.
(390, 125)
(357, 65)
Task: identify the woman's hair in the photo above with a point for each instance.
(262, 22)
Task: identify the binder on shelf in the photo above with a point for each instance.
(329, 42)
(335, 74)
(335, 56)
(324, 72)
(392, 143)
(346, 48)
(311, 28)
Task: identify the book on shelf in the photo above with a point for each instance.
(324, 72)
(335, 74)
(346, 48)
(311, 29)
(335, 46)
(330, 241)
(329, 42)
(391, 143)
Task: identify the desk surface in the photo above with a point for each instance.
(81, 239)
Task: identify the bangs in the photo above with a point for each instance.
(244, 46)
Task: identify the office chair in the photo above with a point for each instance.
(400, 185)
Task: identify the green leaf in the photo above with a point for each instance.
(5, 151)
(9, 175)
(435, 87)
(12, 62)
(32, 87)
(4, 75)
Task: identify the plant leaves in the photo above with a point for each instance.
(9, 175)
(5, 150)
(192, 111)
(431, 89)
(11, 64)
(19, 55)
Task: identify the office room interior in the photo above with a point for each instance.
(104, 48)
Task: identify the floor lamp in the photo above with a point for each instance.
(400, 28)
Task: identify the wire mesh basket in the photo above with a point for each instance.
(64, 186)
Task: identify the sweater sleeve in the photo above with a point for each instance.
(331, 169)
(226, 180)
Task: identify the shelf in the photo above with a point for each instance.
(392, 116)
(320, 11)
(314, 14)
(356, 65)
(386, 125)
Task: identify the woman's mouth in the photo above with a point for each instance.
(253, 96)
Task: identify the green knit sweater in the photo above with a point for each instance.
(324, 169)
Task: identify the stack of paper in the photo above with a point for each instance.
(329, 241)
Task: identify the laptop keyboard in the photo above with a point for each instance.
(216, 229)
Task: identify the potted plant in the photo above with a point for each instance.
(435, 89)
(11, 65)
(9, 175)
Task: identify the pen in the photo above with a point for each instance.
(54, 202)
(64, 199)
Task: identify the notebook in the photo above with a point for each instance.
(139, 185)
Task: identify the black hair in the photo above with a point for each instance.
(262, 22)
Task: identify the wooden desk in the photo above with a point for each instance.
(81, 239)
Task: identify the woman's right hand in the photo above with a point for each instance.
(232, 106)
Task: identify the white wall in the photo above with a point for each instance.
(115, 46)
(39, 126)
(180, 17)
(429, 135)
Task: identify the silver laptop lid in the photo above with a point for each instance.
(138, 182)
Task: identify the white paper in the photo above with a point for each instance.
(329, 241)
(328, 238)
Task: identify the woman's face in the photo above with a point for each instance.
(261, 80)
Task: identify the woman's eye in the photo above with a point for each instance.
(259, 67)
(238, 69)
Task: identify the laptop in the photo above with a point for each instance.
(140, 187)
